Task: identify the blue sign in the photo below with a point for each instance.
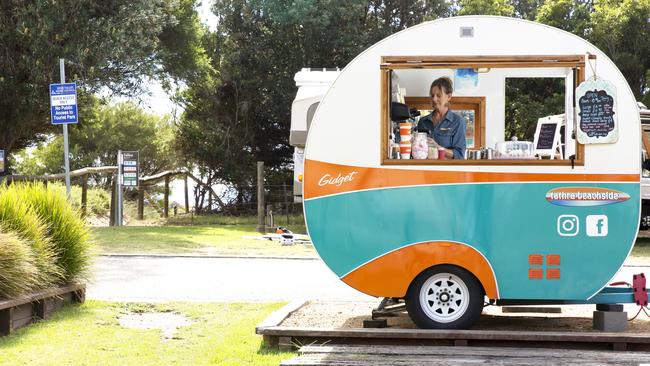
(63, 103)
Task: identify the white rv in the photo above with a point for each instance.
(312, 85)
(645, 176)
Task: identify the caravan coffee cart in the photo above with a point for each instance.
(549, 223)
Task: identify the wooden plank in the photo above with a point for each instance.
(427, 355)
(6, 321)
(332, 333)
(56, 291)
(545, 162)
(279, 315)
(491, 59)
(531, 353)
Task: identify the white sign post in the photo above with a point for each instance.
(63, 104)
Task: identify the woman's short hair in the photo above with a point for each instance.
(444, 83)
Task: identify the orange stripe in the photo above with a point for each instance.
(323, 179)
(390, 275)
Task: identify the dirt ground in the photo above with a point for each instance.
(345, 315)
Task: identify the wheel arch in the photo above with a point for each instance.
(391, 274)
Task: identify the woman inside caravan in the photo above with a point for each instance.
(446, 127)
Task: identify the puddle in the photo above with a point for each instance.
(167, 322)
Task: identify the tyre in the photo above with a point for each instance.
(444, 297)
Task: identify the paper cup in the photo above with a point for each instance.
(405, 150)
(405, 128)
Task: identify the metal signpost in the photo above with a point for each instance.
(63, 103)
(127, 176)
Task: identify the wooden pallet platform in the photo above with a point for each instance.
(20, 312)
(288, 338)
(440, 355)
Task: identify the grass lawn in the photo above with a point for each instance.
(219, 239)
(90, 334)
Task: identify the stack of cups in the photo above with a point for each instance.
(405, 140)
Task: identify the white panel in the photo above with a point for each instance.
(346, 128)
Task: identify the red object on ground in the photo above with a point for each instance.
(640, 291)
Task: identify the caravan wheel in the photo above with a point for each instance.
(444, 297)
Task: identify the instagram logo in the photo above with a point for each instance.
(568, 225)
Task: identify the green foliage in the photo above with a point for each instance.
(569, 15)
(486, 7)
(66, 228)
(527, 100)
(239, 112)
(18, 272)
(622, 30)
(17, 216)
(98, 200)
(95, 142)
(106, 44)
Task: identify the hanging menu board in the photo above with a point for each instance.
(596, 102)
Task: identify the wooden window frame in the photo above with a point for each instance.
(477, 104)
(390, 63)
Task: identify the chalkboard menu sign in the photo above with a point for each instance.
(596, 112)
(546, 137)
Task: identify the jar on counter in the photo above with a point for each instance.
(420, 148)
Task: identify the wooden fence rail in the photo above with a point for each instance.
(144, 182)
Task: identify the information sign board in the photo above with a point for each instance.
(2, 161)
(63, 103)
(130, 164)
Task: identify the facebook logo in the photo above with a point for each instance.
(596, 225)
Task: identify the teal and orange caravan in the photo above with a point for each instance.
(397, 212)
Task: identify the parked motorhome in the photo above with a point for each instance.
(645, 176)
(312, 85)
(550, 220)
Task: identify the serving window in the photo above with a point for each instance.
(505, 122)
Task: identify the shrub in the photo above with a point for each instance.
(97, 203)
(18, 272)
(17, 215)
(65, 227)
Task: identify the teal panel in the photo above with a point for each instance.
(505, 222)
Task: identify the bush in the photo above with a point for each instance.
(16, 215)
(18, 272)
(98, 200)
(65, 227)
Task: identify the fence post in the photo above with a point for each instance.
(84, 194)
(286, 203)
(166, 206)
(187, 197)
(141, 201)
(111, 220)
(261, 226)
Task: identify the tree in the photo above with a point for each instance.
(622, 30)
(239, 112)
(123, 126)
(108, 45)
(571, 16)
(486, 7)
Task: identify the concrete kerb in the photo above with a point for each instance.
(156, 255)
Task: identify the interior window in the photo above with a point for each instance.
(512, 109)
